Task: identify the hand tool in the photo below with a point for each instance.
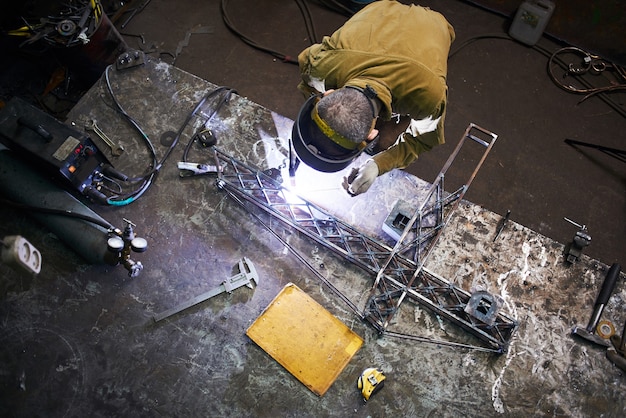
(247, 275)
(116, 150)
(371, 381)
(608, 285)
(502, 225)
(582, 239)
(196, 169)
(605, 329)
(616, 358)
(620, 342)
(617, 353)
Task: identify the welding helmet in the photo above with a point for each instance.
(317, 145)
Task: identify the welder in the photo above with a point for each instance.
(377, 84)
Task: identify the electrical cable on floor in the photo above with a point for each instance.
(250, 41)
(147, 179)
(308, 23)
(61, 212)
(308, 20)
(553, 58)
(224, 100)
(336, 6)
(594, 64)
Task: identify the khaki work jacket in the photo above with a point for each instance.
(400, 51)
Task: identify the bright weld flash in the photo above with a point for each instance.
(314, 186)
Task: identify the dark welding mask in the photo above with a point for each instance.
(318, 145)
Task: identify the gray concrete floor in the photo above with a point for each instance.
(78, 340)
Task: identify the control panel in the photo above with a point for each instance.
(53, 146)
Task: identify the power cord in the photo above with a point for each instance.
(146, 180)
(223, 100)
(589, 64)
(308, 23)
(61, 212)
(571, 70)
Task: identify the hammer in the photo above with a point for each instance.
(603, 297)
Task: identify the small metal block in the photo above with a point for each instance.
(130, 59)
(484, 306)
(397, 220)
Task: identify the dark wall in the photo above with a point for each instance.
(597, 26)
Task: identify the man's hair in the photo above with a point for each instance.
(348, 112)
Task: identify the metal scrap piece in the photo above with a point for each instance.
(194, 31)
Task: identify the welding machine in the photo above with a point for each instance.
(55, 147)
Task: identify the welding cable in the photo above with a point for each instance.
(61, 212)
(285, 58)
(147, 178)
(337, 7)
(600, 92)
(251, 42)
(553, 58)
(224, 100)
(135, 195)
(308, 20)
(309, 24)
(133, 123)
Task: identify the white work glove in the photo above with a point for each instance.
(360, 179)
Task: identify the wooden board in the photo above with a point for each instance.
(305, 338)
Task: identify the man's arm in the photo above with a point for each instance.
(405, 150)
(419, 137)
(399, 155)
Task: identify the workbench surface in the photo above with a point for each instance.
(83, 340)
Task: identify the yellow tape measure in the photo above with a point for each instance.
(370, 382)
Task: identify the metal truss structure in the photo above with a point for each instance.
(399, 271)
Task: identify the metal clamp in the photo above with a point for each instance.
(197, 169)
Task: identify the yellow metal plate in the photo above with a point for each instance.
(305, 338)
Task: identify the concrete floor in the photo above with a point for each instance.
(78, 340)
